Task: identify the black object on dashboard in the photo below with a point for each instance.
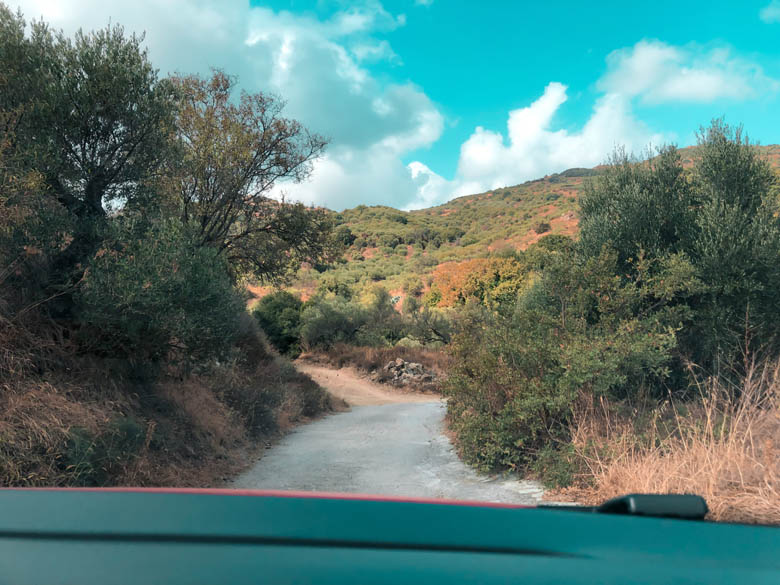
(685, 506)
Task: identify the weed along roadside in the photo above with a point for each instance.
(82, 428)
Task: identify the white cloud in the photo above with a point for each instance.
(650, 72)
(314, 64)
(532, 148)
(380, 51)
(771, 12)
(321, 68)
(657, 73)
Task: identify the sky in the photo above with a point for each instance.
(426, 100)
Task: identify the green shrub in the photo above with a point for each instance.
(720, 215)
(579, 329)
(279, 315)
(432, 298)
(542, 227)
(329, 320)
(92, 459)
(633, 207)
(382, 324)
(555, 464)
(151, 293)
(412, 285)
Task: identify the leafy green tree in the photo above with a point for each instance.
(344, 236)
(95, 117)
(326, 320)
(150, 294)
(92, 120)
(383, 325)
(427, 325)
(233, 153)
(721, 216)
(736, 247)
(635, 206)
(279, 315)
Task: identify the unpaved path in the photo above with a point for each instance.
(389, 443)
(357, 390)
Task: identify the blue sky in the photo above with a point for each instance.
(426, 100)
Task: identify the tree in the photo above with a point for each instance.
(91, 119)
(149, 294)
(279, 315)
(233, 153)
(635, 206)
(719, 218)
(95, 116)
(427, 325)
(736, 247)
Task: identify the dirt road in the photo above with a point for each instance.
(389, 443)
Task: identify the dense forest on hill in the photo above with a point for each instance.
(393, 247)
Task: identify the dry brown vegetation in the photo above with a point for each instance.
(725, 448)
(371, 359)
(102, 422)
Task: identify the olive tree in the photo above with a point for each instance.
(233, 153)
(95, 117)
(90, 118)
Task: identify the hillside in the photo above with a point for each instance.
(402, 249)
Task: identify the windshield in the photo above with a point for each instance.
(503, 252)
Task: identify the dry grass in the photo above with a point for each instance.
(371, 359)
(726, 447)
(91, 423)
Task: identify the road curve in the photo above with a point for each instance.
(393, 447)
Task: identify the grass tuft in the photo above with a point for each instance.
(724, 447)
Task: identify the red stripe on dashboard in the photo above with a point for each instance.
(282, 494)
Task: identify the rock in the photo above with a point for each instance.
(414, 368)
(403, 373)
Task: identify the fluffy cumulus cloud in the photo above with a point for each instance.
(533, 148)
(317, 65)
(322, 68)
(658, 73)
(771, 12)
(650, 72)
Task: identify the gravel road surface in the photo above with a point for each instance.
(390, 444)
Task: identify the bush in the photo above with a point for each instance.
(412, 285)
(518, 372)
(150, 293)
(721, 218)
(91, 459)
(636, 206)
(542, 227)
(279, 315)
(373, 321)
(382, 324)
(325, 321)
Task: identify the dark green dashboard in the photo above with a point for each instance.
(178, 536)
